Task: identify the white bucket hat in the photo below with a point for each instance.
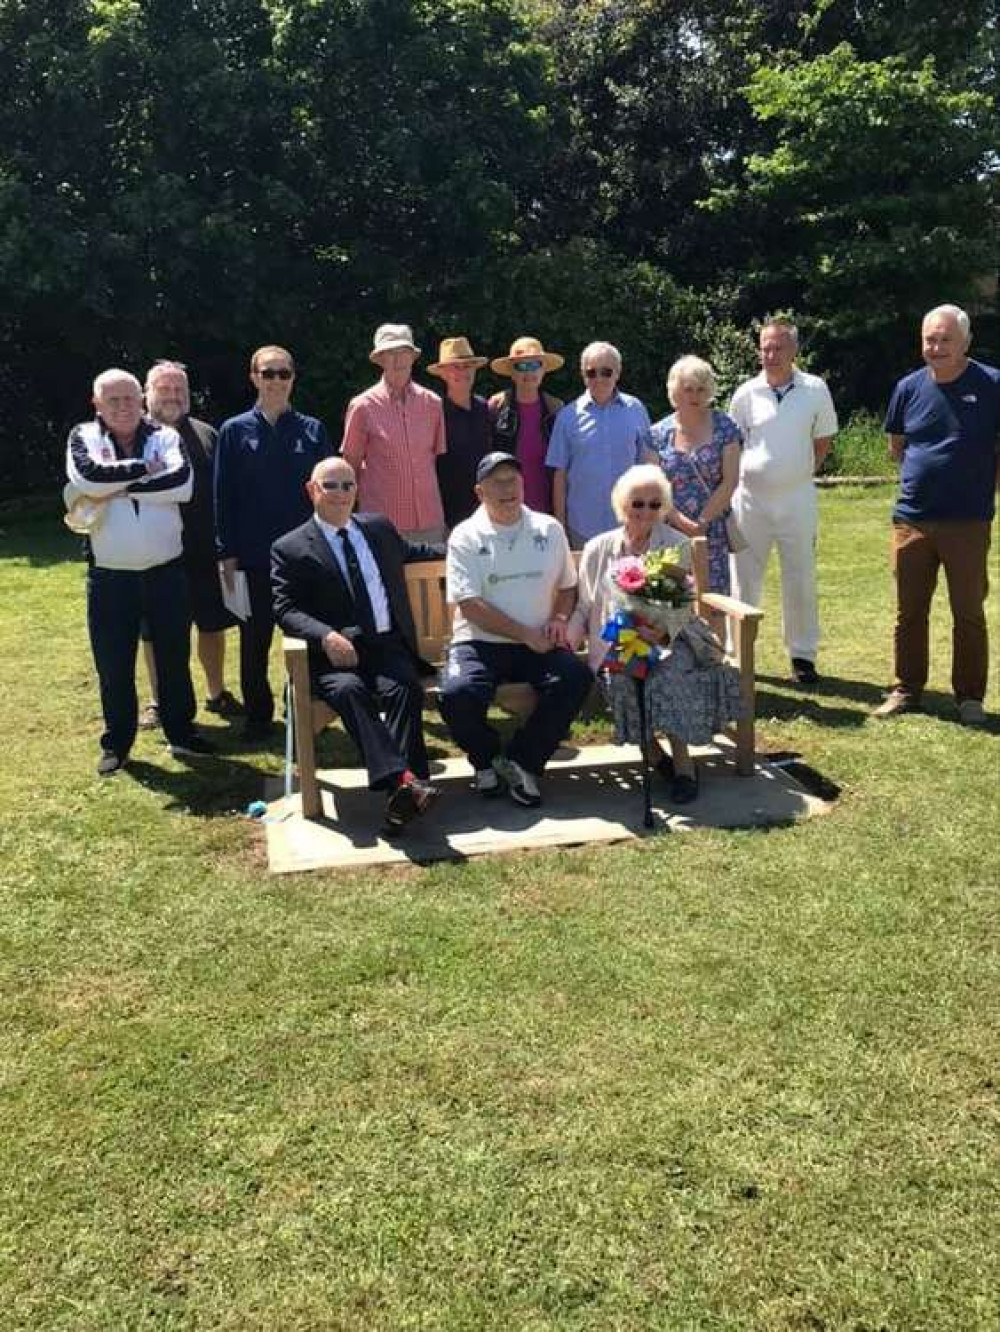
(391, 337)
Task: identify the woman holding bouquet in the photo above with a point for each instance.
(689, 692)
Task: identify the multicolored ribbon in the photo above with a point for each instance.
(628, 653)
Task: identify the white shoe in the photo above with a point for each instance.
(971, 712)
(486, 782)
(523, 786)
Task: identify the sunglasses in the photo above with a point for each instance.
(283, 373)
(604, 371)
(645, 504)
(338, 485)
(525, 367)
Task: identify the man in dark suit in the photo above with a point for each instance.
(338, 583)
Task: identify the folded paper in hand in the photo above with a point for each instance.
(237, 598)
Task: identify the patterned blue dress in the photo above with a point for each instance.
(690, 496)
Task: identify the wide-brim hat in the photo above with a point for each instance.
(392, 337)
(455, 351)
(527, 349)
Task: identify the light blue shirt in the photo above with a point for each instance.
(594, 445)
(369, 568)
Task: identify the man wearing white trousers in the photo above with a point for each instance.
(788, 421)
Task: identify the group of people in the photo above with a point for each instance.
(506, 488)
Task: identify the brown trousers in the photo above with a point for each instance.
(918, 551)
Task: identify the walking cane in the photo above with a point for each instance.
(647, 772)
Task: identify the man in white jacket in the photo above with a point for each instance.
(137, 472)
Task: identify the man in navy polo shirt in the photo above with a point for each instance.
(943, 424)
(263, 461)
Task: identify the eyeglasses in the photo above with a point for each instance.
(338, 485)
(645, 504)
(526, 367)
(604, 371)
(269, 373)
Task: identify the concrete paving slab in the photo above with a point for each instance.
(590, 795)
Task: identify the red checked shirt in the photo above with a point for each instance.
(392, 442)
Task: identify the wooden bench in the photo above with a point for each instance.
(425, 585)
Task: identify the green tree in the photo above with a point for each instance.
(871, 205)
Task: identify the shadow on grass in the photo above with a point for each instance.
(216, 787)
(35, 533)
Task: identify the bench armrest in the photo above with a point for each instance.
(730, 607)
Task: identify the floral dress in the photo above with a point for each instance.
(690, 494)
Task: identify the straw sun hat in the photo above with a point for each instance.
(526, 349)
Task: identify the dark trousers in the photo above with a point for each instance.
(118, 601)
(386, 680)
(918, 551)
(255, 649)
(472, 674)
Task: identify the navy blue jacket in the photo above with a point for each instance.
(261, 472)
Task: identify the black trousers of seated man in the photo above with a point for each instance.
(386, 680)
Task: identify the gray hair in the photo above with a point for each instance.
(601, 349)
(160, 367)
(113, 376)
(785, 324)
(958, 314)
(696, 370)
(642, 474)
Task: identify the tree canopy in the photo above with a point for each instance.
(192, 178)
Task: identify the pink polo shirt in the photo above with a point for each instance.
(392, 443)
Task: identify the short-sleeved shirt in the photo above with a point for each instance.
(778, 430)
(517, 569)
(467, 431)
(392, 443)
(594, 444)
(950, 431)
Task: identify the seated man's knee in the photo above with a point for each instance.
(340, 687)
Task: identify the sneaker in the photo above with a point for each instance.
(971, 712)
(896, 703)
(522, 785)
(804, 671)
(193, 746)
(409, 800)
(149, 718)
(224, 705)
(487, 782)
(109, 763)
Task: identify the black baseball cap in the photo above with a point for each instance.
(494, 460)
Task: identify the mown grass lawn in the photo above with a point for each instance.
(723, 1081)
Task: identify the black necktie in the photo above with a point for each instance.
(362, 601)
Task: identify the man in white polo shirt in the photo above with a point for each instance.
(512, 581)
(788, 421)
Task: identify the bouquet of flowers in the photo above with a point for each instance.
(653, 591)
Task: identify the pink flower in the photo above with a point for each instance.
(630, 575)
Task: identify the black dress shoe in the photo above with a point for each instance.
(684, 789)
(804, 670)
(409, 799)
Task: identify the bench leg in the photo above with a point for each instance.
(305, 745)
(746, 635)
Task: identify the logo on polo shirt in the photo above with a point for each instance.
(253, 442)
(969, 397)
(541, 541)
(299, 446)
